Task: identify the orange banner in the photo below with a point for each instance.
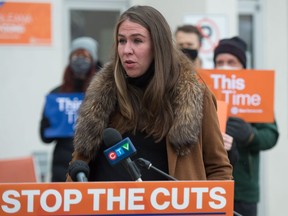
(222, 114)
(248, 93)
(25, 23)
(118, 198)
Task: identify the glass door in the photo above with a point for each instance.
(93, 18)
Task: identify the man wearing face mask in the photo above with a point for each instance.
(250, 138)
(77, 75)
(189, 39)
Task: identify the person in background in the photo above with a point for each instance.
(77, 75)
(149, 92)
(189, 39)
(250, 138)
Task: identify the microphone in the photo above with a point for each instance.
(119, 151)
(78, 171)
(147, 164)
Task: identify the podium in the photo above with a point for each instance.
(118, 198)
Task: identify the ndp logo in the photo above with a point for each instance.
(120, 151)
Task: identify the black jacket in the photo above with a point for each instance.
(62, 153)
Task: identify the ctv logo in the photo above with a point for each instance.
(120, 151)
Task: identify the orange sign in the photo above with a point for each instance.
(118, 198)
(248, 93)
(222, 114)
(25, 23)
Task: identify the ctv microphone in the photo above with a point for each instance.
(119, 151)
(78, 171)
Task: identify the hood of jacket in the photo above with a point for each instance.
(101, 99)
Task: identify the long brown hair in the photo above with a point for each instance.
(150, 110)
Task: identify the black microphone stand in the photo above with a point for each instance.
(132, 169)
(148, 165)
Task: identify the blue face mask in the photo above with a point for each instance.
(80, 65)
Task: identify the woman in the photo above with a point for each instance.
(76, 78)
(150, 93)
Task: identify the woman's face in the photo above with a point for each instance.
(81, 63)
(134, 48)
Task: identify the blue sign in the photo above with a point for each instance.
(120, 151)
(61, 109)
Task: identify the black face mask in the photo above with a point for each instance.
(190, 53)
(80, 65)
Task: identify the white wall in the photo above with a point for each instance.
(275, 57)
(27, 74)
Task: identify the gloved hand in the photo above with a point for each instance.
(240, 130)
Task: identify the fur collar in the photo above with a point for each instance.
(100, 101)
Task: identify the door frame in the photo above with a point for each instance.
(254, 8)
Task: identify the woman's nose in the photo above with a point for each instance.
(128, 48)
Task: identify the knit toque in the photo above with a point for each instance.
(86, 43)
(234, 46)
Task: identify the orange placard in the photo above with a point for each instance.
(15, 170)
(25, 23)
(222, 114)
(118, 198)
(248, 93)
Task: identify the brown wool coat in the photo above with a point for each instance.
(194, 143)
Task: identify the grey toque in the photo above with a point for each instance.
(86, 43)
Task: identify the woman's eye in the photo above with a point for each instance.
(137, 41)
(121, 41)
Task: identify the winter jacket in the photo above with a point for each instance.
(62, 150)
(194, 143)
(246, 169)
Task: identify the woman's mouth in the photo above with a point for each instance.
(129, 64)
